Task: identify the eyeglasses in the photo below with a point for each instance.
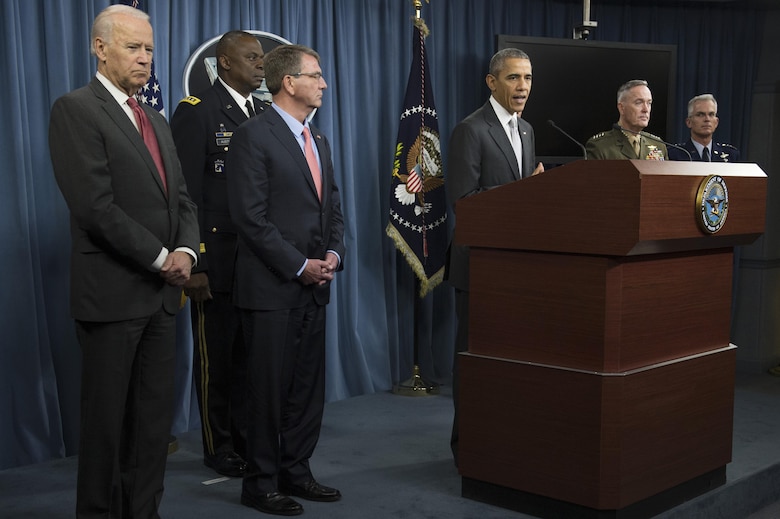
(314, 75)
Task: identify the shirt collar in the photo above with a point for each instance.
(238, 98)
(700, 146)
(504, 116)
(294, 124)
(115, 92)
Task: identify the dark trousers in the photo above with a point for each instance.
(126, 414)
(220, 374)
(285, 394)
(461, 344)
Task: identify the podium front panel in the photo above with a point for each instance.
(598, 313)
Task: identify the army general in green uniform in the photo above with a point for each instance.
(628, 140)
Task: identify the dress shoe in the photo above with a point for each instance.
(312, 491)
(228, 464)
(273, 503)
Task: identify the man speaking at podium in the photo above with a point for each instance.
(626, 139)
(491, 147)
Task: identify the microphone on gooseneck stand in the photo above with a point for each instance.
(572, 139)
(650, 136)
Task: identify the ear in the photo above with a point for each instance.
(100, 48)
(288, 85)
(688, 122)
(490, 81)
(224, 62)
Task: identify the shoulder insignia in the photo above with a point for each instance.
(261, 104)
(599, 135)
(727, 145)
(653, 136)
(190, 100)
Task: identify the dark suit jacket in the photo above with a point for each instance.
(121, 217)
(720, 152)
(279, 218)
(480, 158)
(202, 127)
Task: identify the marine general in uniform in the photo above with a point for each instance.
(627, 140)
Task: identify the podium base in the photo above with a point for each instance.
(416, 386)
(550, 508)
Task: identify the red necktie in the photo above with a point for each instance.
(150, 139)
(308, 150)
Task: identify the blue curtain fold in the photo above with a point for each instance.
(366, 54)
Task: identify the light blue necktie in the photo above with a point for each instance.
(517, 144)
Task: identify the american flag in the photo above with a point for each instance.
(151, 93)
(414, 183)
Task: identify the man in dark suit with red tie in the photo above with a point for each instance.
(134, 235)
(202, 127)
(285, 204)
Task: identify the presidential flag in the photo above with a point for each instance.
(418, 210)
(150, 94)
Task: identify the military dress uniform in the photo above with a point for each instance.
(720, 152)
(202, 127)
(615, 144)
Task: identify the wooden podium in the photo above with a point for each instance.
(599, 380)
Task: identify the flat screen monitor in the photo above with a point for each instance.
(575, 84)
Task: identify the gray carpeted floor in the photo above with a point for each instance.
(389, 455)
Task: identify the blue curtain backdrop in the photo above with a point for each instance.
(366, 54)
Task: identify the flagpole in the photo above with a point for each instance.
(416, 385)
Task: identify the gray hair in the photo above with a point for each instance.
(625, 87)
(284, 60)
(500, 57)
(702, 97)
(103, 26)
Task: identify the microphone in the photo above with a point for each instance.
(572, 139)
(650, 136)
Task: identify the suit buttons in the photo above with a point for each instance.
(213, 229)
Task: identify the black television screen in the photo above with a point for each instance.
(576, 82)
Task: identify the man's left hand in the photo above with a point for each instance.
(176, 268)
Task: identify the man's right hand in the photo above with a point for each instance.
(197, 288)
(316, 271)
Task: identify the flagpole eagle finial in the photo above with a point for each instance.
(418, 7)
(417, 20)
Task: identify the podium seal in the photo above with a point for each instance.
(712, 203)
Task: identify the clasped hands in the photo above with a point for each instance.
(176, 268)
(319, 271)
(197, 288)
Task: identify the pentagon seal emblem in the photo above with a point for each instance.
(712, 204)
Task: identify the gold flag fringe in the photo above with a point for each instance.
(426, 284)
